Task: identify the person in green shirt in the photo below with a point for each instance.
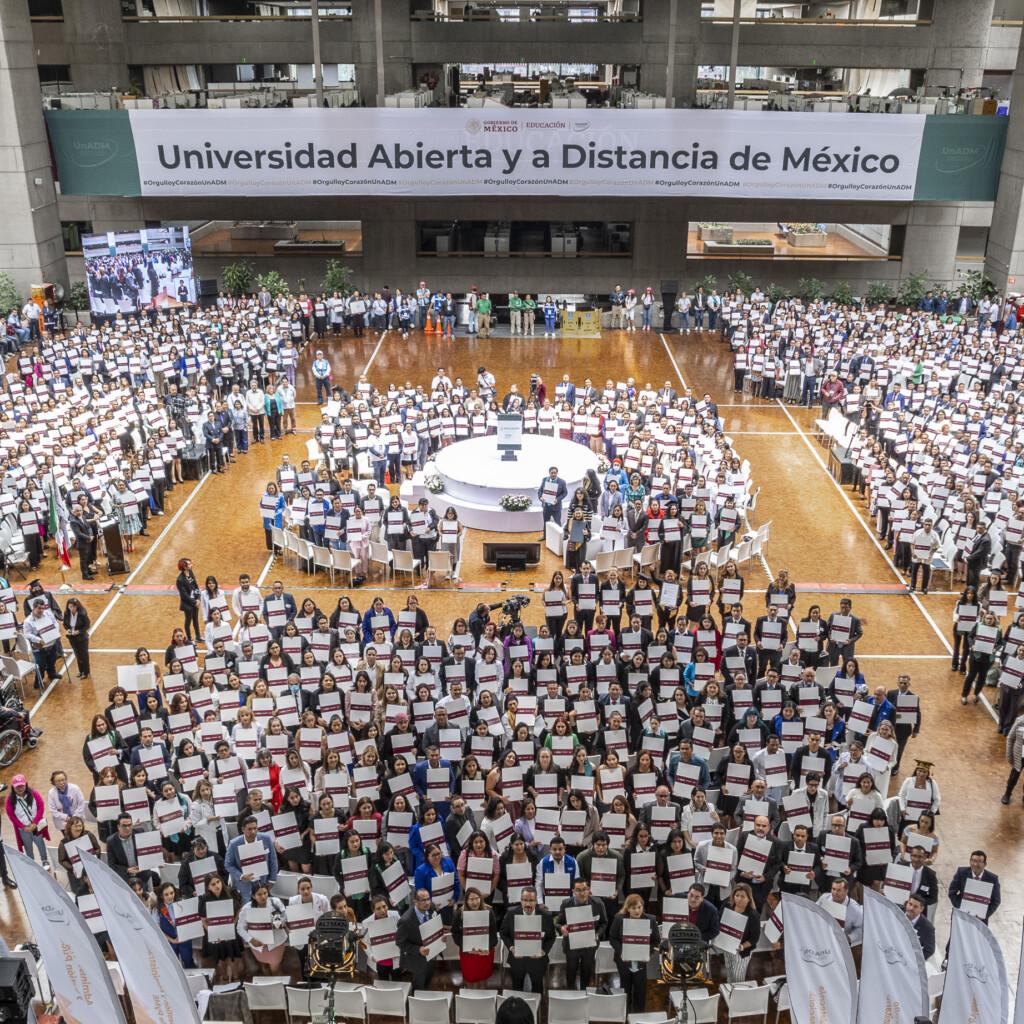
(515, 312)
(529, 314)
(483, 315)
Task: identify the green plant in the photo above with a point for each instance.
(237, 277)
(774, 292)
(708, 282)
(878, 293)
(9, 296)
(741, 282)
(273, 282)
(515, 502)
(77, 297)
(842, 294)
(977, 285)
(804, 229)
(337, 278)
(912, 290)
(753, 241)
(810, 288)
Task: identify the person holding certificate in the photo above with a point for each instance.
(475, 932)
(633, 935)
(582, 921)
(528, 931)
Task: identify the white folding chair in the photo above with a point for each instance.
(381, 554)
(604, 561)
(440, 562)
(646, 557)
(322, 560)
(305, 1002)
(427, 1011)
(567, 1007)
(349, 1003)
(701, 1007)
(475, 1007)
(277, 538)
(606, 1008)
(623, 559)
(385, 1002)
(198, 981)
(286, 884)
(343, 562)
(604, 961)
(649, 1018)
(291, 545)
(19, 671)
(169, 873)
(402, 561)
(744, 1000)
(265, 997)
(313, 452)
(306, 554)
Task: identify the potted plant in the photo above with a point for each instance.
(714, 232)
(77, 300)
(807, 235)
(515, 502)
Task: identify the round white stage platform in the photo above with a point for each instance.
(475, 478)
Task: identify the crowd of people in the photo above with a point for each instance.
(654, 752)
(931, 399)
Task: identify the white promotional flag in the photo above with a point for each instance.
(1018, 1011)
(977, 989)
(73, 962)
(819, 965)
(893, 964)
(152, 973)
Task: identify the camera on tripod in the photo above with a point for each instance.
(512, 606)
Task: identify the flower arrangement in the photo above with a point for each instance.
(603, 465)
(434, 484)
(515, 502)
(804, 229)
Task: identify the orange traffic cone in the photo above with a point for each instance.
(429, 328)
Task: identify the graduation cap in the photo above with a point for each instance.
(926, 765)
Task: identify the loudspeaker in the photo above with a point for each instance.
(669, 291)
(511, 561)
(15, 991)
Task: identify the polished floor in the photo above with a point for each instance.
(819, 533)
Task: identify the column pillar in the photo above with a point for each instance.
(1004, 257)
(31, 247)
(933, 231)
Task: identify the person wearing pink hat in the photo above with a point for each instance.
(27, 811)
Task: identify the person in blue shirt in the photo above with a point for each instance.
(927, 303)
(550, 311)
(242, 880)
(376, 609)
(419, 778)
(322, 374)
(618, 474)
(685, 755)
(276, 518)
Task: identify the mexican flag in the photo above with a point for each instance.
(57, 527)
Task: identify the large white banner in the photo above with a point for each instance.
(516, 152)
(1018, 1011)
(820, 971)
(976, 990)
(74, 964)
(152, 973)
(892, 964)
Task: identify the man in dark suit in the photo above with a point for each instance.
(279, 594)
(760, 880)
(580, 964)
(636, 525)
(903, 731)
(702, 913)
(841, 648)
(977, 871)
(586, 577)
(924, 881)
(978, 555)
(532, 967)
(147, 742)
(915, 911)
(121, 856)
(741, 651)
(837, 827)
(419, 777)
(552, 493)
(792, 879)
(85, 540)
(410, 941)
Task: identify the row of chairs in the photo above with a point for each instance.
(331, 560)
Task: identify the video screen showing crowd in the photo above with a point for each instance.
(129, 272)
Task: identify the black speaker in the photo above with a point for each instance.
(15, 991)
(669, 291)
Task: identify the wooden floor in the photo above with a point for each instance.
(819, 533)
